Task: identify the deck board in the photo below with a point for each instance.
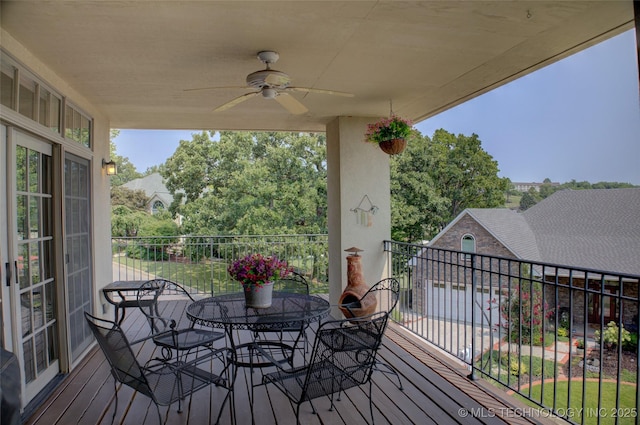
(435, 388)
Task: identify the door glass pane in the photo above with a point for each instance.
(21, 169)
(34, 260)
(29, 366)
(46, 183)
(34, 172)
(38, 313)
(49, 301)
(41, 352)
(34, 216)
(21, 217)
(23, 266)
(48, 263)
(25, 313)
(52, 343)
(47, 217)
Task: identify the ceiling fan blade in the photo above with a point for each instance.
(320, 91)
(215, 88)
(291, 104)
(235, 101)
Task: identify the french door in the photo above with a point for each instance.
(46, 256)
(78, 273)
(31, 268)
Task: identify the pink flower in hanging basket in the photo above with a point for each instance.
(393, 127)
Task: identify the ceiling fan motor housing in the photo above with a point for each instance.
(268, 78)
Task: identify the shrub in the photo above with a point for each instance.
(563, 319)
(524, 312)
(632, 343)
(517, 368)
(610, 335)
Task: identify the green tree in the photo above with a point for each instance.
(158, 234)
(135, 200)
(153, 169)
(547, 189)
(529, 199)
(189, 168)
(437, 178)
(249, 183)
(417, 208)
(126, 222)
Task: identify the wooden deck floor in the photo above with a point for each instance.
(436, 391)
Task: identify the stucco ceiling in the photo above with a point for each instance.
(134, 59)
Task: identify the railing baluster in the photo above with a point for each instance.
(502, 305)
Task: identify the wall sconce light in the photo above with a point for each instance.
(110, 167)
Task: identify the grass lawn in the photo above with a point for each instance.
(626, 411)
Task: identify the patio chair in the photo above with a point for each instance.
(297, 284)
(165, 382)
(157, 299)
(343, 356)
(387, 292)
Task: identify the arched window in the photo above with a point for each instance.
(157, 207)
(468, 244)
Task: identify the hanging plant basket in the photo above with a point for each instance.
(393, 146)
(389, 133)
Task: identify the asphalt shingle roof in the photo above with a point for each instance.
(510, 228)
(594, 228)
(153, 187)
(598, 228)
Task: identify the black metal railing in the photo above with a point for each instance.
(517, 323)
(563, 339)
(200, 262)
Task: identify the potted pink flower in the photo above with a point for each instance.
(256, 273)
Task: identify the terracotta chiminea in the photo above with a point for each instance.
(356, 288)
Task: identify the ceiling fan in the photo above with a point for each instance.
(271, 84)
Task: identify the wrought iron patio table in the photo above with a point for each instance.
(228, 311)
(123, 294)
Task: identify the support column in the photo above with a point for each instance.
(636, 12)
(356, 169)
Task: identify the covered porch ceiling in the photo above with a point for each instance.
(133, 60)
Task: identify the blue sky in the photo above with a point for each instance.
(578, 119)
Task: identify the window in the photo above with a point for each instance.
(32, 99)
(7, 78)
(49, 110)
(157, 207)
(78, 126)
(468, 244)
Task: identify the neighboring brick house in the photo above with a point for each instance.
(153, 187)
(595, 229)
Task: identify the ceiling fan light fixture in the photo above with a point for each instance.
(269, 93)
